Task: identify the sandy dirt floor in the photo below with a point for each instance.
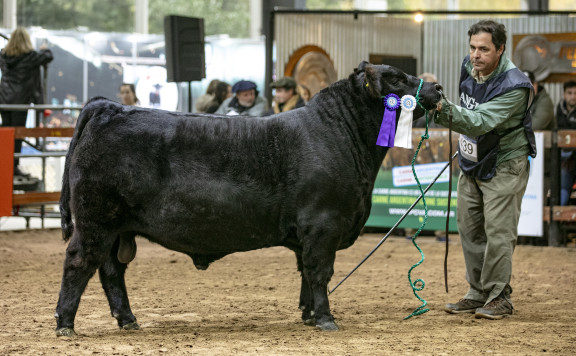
(247, 303)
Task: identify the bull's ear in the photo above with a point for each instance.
(362, 66)
(372, 82)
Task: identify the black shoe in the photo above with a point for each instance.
(26, 183)
(463, 306)
(18, 172)
(497, 309)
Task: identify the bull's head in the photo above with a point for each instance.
(381, 80)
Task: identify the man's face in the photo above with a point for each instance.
(283, 95)
(483, 54)
(246, 97)
(570, 97)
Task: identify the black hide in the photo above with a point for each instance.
(209, 185)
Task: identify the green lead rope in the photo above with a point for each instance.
(419, 284)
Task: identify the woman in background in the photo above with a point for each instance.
(128, 94)
(21, 82)
(222, 92)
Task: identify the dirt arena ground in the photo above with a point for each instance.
(246, 304)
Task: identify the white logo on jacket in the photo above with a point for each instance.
(469, 102)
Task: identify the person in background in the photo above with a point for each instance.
(205, 101)
(245, 101)
(222, 92)
(128, 94)
(566, 119)
(304, 93)
(428, 77)
(21, 83)
(286, 97)
(496, 139)
(542, 108)
(154, 96)
(542, 111)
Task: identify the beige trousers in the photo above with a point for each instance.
(487, 214)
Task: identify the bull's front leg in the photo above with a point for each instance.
(318, 262)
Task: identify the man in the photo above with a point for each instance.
(495, 142)
(566, 118)
(245, 101)
(286, 97)
(542, 109)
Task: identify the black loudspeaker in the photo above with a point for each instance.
(184, 41)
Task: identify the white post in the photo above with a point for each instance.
(452, 6)
(141, 16)
(255, 18)
(10, 14)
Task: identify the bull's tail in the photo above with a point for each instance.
(66, 217)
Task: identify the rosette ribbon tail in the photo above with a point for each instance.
(404, 131)
(388, 127)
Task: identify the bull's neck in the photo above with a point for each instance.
(359, 116)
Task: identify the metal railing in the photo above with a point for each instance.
(40, 134)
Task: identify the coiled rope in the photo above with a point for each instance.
(419, 284)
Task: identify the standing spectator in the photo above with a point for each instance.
(286, 97)
(21, 82)
(428, 77)
(222, 92)
(205, 101)
(542, 109)
(566, 119)
(495, 142)
(304, 93)
(154, 97)
(128, 94)
(245, 101)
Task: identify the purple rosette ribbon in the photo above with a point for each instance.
(388, 128)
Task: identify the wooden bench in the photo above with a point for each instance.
(31, 198)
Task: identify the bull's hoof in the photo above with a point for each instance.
(131, 326)
(309, 322)
(67, 332)
(328, 326)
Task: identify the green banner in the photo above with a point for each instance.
(396, 189)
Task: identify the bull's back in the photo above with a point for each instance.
(189, 183)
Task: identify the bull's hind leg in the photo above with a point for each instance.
(111, 274)
(84, 254)
(306, 299)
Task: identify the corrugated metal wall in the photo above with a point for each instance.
(439, 47)
(347, 40)
(446, 45)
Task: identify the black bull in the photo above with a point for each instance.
(208, 186)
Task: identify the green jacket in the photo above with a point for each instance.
(502, 112)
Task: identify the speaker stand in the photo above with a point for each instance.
(189, 96)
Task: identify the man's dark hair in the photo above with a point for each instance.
(569, 84)
(497, 30)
